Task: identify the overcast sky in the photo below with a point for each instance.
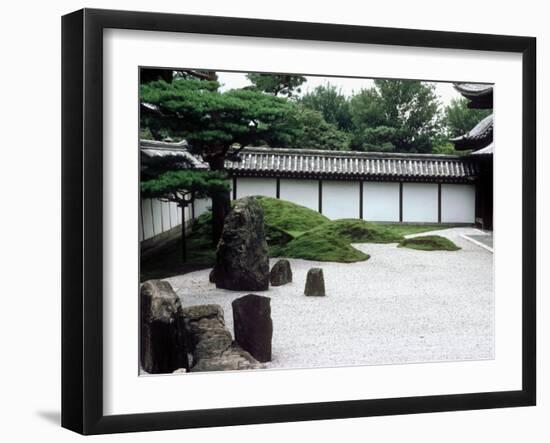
(233, 80)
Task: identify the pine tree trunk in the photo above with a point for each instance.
(221, 203)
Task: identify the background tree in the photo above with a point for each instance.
(212, 122)
(401, 115)
(330, 102)
(459, 119)
(276, 84)
(311, 131)
(183, 187)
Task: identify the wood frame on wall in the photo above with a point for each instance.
(82, 218)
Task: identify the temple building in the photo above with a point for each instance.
(480, 141)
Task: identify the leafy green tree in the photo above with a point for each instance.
(330, 102)
(277, 84)
(213, 121)
(311, 131)
(183, 187)
(396, 115)
(459, 119)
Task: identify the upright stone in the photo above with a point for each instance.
(315, 283)
(242, 262)
(280, 274)
(162, 341)
(253, 325)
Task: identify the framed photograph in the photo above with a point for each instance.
(270, 221)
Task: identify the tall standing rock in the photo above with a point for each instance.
(162, 341)
(315, 283)
(242, 262)
(280, 274)
(253, 325)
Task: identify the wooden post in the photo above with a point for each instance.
(400, 202)
(439, 203)
(183, 241)
(361, 200)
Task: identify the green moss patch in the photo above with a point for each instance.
(290, 216)
(317, 245)
(429, 243)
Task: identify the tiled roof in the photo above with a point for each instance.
(473, 89)
(350, 165)
(480, 96)
(321, 164)
(479, 137)
(160, 152)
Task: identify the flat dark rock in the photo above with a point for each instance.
(253, 325)
(210, 342)
(315, 283)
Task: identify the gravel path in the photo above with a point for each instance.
(401, 306)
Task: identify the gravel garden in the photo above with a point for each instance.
(392, 293)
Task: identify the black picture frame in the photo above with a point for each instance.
(82, 215)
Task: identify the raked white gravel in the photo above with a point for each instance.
(400, 306)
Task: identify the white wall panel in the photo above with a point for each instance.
(165, 208)
(381, 201)
(174, 211)
(256, 186)
(301, 192)
(458, 203)
(148, 231)
(140, 227)
(340, 199)
(201, 206)
(157, 216)
(420, 202)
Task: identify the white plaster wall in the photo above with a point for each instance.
(147, 217)
(381, 201)
(420, 202)
(458, 203)
(201, 206)
(340, 199)
(301, 192)
(157, 217)
(174, 214)
(165, 216)
(256, 186)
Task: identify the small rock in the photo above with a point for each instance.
(315, 283)
(253, 325)
(281, 273)
(180, 371)
(162, 334)
(212, 277)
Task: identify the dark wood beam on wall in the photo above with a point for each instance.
(361, 200)
(400, 201)
(320, 196)
(278, 189)
(234, 188)
(439, 203)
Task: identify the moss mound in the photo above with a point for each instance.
(289, 216)
(429, 243)
(360, 231)
(317, 245)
